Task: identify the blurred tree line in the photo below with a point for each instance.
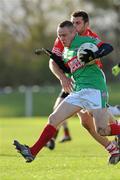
(26, 25)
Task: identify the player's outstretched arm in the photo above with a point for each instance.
(57, 59)
(116, 69)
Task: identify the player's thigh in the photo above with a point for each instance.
(111, 118)
(101, 117)
(57, 102)
(62, 112)
(60, 98)
(86, 119)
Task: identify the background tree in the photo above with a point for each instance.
(26, 25)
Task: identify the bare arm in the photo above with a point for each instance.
(55, 69)
(66, 83)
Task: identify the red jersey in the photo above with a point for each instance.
(58, 46)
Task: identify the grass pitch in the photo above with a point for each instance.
(80, 159)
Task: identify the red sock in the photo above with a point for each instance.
(66, 131)
(115, 129)
(45, 136)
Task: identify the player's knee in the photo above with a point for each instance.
(51, 120)
(102, 131)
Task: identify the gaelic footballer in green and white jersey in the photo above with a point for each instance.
(88, 76)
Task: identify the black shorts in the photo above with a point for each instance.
(63, 94)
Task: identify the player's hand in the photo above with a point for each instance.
(67, 84)
(116, 70)
(87, 56)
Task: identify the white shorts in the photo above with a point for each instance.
(88, 99)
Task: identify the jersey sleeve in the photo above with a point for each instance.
(58, 47)
(94, 35)
(90, 33)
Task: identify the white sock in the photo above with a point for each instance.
(112, 148)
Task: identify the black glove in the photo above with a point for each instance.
(89, 56)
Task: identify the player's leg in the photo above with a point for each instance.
(88, 122)
(62, 112)
(93, 103)
(67, 136)
(101, 119)
(51, 143)
(101, 123)
(113, 120)
(114, 111)
(61, 97)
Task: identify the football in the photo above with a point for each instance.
(89, 46)
(84, 46)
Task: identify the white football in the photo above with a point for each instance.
(89, 46)
(84, 46)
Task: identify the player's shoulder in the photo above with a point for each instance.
(91, 33)
(58, 43)
(58, 47)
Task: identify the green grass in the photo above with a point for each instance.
(80, 159)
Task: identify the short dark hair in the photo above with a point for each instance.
(82, 14)
(66, 23)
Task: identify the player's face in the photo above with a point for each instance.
(66, 35)
(79, 24)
